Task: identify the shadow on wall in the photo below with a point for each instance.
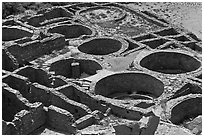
(75, 68)
(11, 33)
(71, 31)
(47, 15)
(186, 110)
(128, 83)
(100, 46)
(170, 62)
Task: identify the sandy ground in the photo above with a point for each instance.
(187, 15)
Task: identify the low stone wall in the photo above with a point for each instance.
(60, 119)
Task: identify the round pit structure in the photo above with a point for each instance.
(14, 33)
(100, 14)
(75, 68)
(186, 110)
(132, 96)
(169, 62)
(129, 84)
(71, 31)
(102, 46)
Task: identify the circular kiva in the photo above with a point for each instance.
(103, 46)
(129, 85)
(186, 110)
(75, 68)
(169, 62)
(102, 14)
(132, 96)
(71, 31)
(14, 33)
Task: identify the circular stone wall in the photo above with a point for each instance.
(14, 33)
(185, 110)
(101, 46)
(125, 84)
(71, 31)
(131, 96)
(75, 68)
(102, 14)
(170, 62)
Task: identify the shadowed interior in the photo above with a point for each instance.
(100, 46)
(14, 33)
(56, 13)
(10, 103)
(185, 110)
(48, 14)
(71, 31)
(170, 62)
(123, 84)
(64, 68)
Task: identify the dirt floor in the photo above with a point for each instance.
(187, 15)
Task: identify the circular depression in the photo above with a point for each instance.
(100, 46)
(13, 33)
(75, 68)
(71, 31)
(102, 14)
(186, 110)
(170, 62)
(121, 85)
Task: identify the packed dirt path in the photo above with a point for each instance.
(184, 14)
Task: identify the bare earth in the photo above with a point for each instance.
(187, 15)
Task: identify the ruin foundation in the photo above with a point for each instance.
(99, 68)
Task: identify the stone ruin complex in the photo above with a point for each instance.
(100, 68)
